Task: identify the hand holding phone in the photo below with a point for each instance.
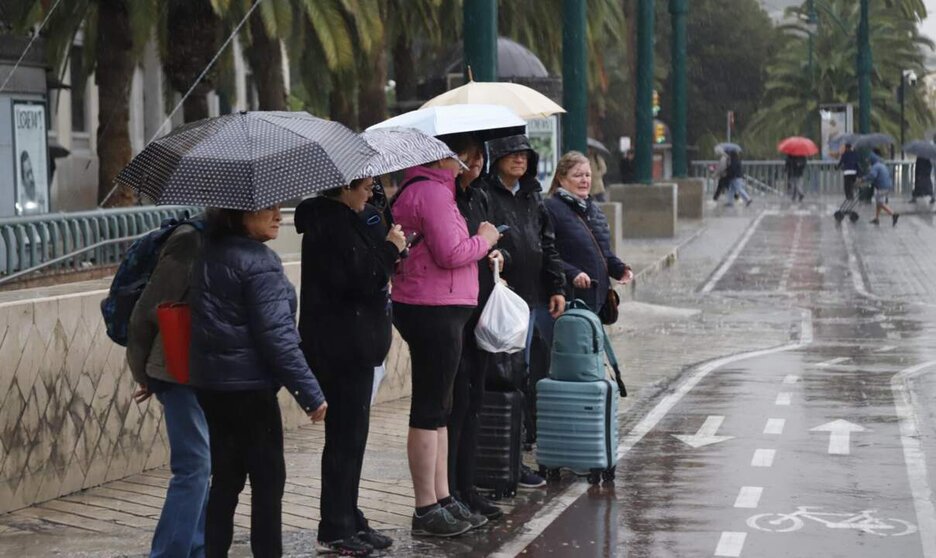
(503, 228)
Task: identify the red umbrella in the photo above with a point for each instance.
(798, 146)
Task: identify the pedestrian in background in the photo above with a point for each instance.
(468, 394)
(598, 169)
(720, 173)
(181, 527)
(345, 325)
(850, 163)
(922, 180)
(535, 270)
(582, 235)
(628, 167)
(880, 179)
(735, 174)
(435, 290)
(244, 347)
(795, 167)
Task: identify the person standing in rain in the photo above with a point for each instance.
(850, 163)
(598, 169)
(435, 291)
(795, 167)
(535, 270)
(735, 175)
(345, 325)
(720, 173)
(880, 179)
(922, 180)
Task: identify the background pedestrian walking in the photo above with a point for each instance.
(795, 167)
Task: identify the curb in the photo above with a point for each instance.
(628, 292)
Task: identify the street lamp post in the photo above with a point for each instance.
(812, 23)
(905, 75)
(574, 77)
(864, 71)
(480, 43)
(678, 9)
(643, 145)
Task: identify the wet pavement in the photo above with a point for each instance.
(781, 374)
(813, 447)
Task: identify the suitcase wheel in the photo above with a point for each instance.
(839, 215)
(608, 474)
(594, 476)
(853, 216)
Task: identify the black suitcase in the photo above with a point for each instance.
(499, 457)
(504, 371)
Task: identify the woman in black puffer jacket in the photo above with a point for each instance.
(244, 347)
(582, 234)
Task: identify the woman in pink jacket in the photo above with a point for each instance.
(434, 291)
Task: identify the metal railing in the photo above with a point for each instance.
(821, 177)
(79, 240)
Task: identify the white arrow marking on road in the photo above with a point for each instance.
(831, 362)
(706, 434)
(839, 435)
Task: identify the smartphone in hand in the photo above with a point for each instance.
(503, 228)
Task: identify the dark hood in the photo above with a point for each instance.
(499, 147)
(315, 210)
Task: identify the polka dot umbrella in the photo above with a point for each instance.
(247, 160)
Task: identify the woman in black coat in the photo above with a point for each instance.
(244, 347)
(345, 325)
(582, 234)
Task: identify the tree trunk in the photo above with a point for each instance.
(404, 69)
(113, 76)
(341, 100)
(193, 36)
(372, 97)
(266, 63)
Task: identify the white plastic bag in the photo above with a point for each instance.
(502, 327)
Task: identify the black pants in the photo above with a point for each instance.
(467, 397)
(246, 434)
(850, 186)
(346, 426)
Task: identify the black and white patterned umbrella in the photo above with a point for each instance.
(401, 148)
(247, 160)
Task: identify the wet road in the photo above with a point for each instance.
(814, 448)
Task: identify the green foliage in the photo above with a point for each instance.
(792, 94)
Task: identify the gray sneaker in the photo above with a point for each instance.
(438, 523)
(460, 511)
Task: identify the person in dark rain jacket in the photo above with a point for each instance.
(345, 325)
(244, 347)
(922, 180)
(582, 234)
(535, 268)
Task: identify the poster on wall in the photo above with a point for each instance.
(30, 158)
(544, 137)
(836, 122)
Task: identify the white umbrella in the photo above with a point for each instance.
(401, 148)
(526, 102)
(453, 119)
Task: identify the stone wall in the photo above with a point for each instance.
(67, 420)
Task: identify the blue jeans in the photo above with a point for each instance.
(737, 187)
(180, 532)
(542, 320)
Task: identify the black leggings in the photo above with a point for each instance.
(246, 435)
(850, 186)
(434, 335)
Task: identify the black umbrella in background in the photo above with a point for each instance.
(921, 148)
(247, 161)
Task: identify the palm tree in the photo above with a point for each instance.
(792, 95)
(190, 36)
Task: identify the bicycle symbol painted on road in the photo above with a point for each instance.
(862, 521)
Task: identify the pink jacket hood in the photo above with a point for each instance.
(441, 269)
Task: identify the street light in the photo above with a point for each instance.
(906, 76)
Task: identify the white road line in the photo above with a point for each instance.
(791, 379)
(831, 362)
(730, 544)
(543, 518)
(886, 349)
(730, 260)
(763, 458)
(784, 399)
(906, 404)
(790, 260)
(749, 497)
(775, 426)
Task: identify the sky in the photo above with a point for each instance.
(928, 27)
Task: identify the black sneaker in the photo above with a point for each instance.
(894, 219)
(479, 504)
(438, 523)
(529, 479)
(461, 511)
(351, 546)
(377, 540)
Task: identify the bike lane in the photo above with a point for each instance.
(799, 452)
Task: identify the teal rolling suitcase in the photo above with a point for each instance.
(576, 425)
